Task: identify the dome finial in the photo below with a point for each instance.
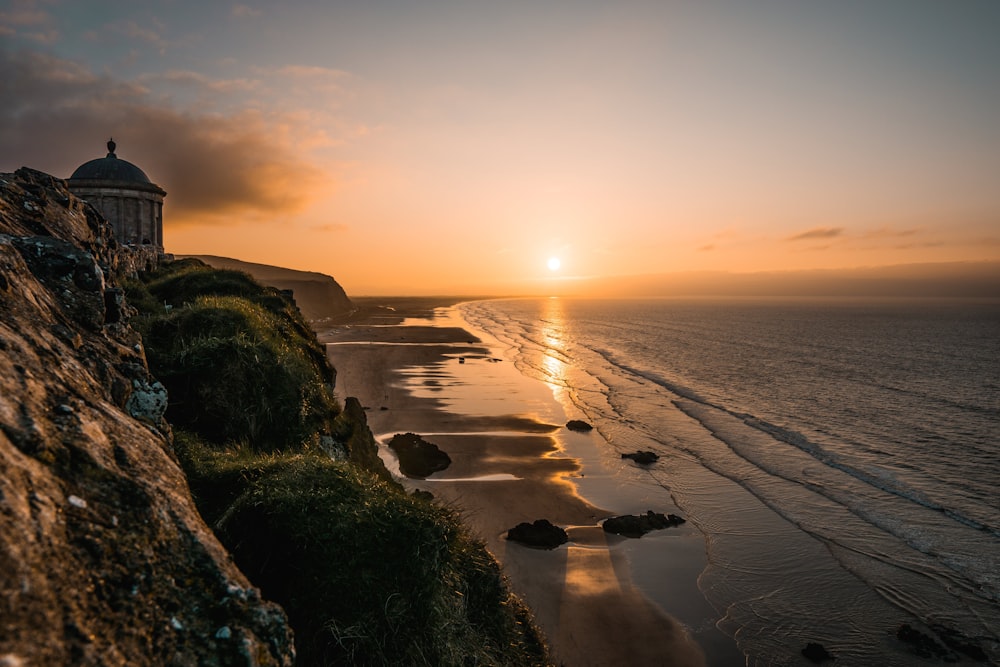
(111, 147)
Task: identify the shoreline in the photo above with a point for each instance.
(600, 599)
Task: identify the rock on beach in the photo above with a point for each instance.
(631, 525)
(542, 534)
(418, 458)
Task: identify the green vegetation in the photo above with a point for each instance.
(238, 361)
(367, 574)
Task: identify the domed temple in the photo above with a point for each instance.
(124, 194)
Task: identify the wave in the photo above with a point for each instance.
(936, 541)
(864, 500)
(877, 477)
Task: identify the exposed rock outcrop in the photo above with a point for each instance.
(418, 459)
(643, 457)
(816, 653)
(361, 446)
(105, 557)
(579, 425)
(633, 525)
(542, 534)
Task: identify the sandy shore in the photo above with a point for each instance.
(513, 460)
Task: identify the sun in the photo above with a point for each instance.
(554, 263)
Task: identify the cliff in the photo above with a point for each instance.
(317, 295)
(105, 555)
(105, 558)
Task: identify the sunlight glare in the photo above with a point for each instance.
(554, 263)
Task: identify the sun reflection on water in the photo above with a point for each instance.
(553, 333)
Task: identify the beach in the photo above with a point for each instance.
(599, 599)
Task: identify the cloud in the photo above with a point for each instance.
(224, 166)
(817, 233)
(925, 244)
(141, 34)
(707, 248)
(245, 12)
(199, 82)
(889, 233)
(149, 35)
(309, 80)
(24, 13)
(215, 167)
(26, 19)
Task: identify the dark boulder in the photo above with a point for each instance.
(579, 426)
(642, 457)
(817, 653)
(418, 458)
(631, 525)
(422, 495)
(541, 534)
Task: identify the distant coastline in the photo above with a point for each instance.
(319, 296)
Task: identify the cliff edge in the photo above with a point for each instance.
(318, 296)
(105, 559)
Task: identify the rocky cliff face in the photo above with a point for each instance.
(103, 557)
(318, 296)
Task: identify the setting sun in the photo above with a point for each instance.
(554, 263)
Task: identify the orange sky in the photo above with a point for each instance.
(456, 147)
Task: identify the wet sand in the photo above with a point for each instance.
(513, 460)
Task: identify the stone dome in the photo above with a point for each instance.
(125, 196)
(110, 168)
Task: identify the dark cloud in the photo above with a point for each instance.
(58, 115)
(817, 233)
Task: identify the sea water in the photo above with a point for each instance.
(842, 458)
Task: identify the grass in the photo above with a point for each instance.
(367, 574)
(240, 368)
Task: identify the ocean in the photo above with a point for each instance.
(841, 458)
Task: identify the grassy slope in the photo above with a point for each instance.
(366, 573)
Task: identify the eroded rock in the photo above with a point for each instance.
(104, 558)
(418, 459)
(643, 457)
(632, 525)
(148, 401)
(542, 534)
(815, 652)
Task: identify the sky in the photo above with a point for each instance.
(409, 147)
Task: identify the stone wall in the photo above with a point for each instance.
(136, 215)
